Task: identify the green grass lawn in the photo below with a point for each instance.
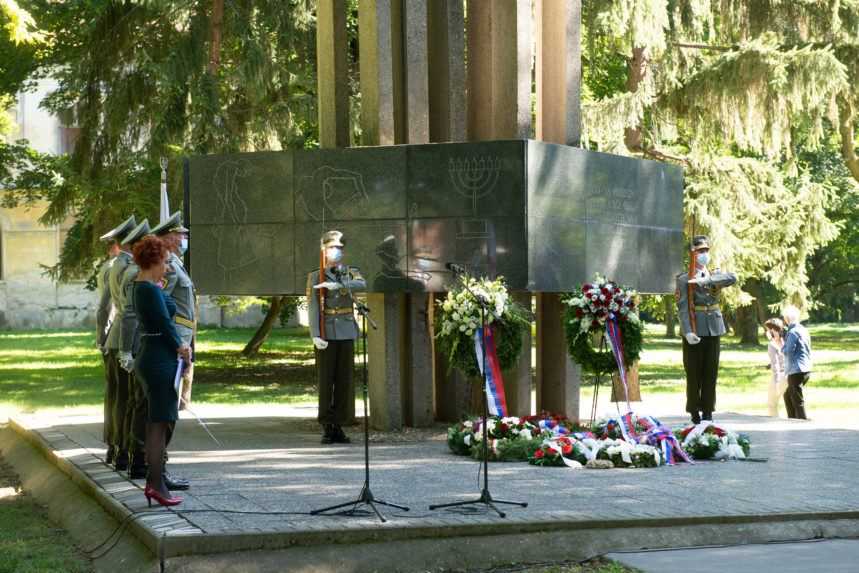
(61, 369)
(29, 541)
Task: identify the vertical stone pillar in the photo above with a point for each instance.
(559, 70)
(447, 122)
(446, 42)
(499, 107)
(380, 36)
(333, 83)
(499, 69)
(558, 73)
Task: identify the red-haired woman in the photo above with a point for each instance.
(156, 365)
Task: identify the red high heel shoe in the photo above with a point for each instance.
(156, 495)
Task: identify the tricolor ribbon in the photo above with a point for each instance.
(612, 330)
(491, 374)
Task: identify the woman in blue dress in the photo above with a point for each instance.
(156, 364)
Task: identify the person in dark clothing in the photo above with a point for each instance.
(158, 361)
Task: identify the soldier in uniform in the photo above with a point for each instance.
(178, 285)
(702, 325)
(136, 409)
(119, 376)
(334, 330)
(104, 316)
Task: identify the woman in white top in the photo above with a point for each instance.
(774, 329)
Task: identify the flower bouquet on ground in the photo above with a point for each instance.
(510, 438)
(598, 308)
(457, 319)
(708, 441)
(625, 454)
(559, 452)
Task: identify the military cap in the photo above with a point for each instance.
(700, 242)
(332, 239)
(173, 224)
(137, 233)
(119, 231)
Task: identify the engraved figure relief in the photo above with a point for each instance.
(332, 193)
(238, 244)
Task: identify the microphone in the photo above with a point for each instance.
(456, 268)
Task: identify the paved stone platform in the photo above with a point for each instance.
(274, 468)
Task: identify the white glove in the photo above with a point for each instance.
(692, 338)
(126, 361)
(319, 343)
(330, 285)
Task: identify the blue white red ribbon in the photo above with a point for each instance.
(492, 374)
(612, 330)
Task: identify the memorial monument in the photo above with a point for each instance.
(546, 216)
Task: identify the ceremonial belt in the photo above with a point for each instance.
(338, 311)
(706, 308)
(185, 322)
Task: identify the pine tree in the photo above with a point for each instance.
(732, 89)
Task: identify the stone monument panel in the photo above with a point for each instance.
(244, 188)
(544, 216)
(377, 247)
(487, 247)
(350, 184)
(475, 180)
(244, 259)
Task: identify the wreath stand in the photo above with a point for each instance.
(597, 377)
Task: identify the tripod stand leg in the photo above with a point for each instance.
(333, 507)
(519, 503)
(453, 504)
(379, 515)
(402, 507)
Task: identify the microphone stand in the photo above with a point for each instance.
(366, 496)
(485, 496)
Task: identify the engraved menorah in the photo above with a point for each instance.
(474, 177)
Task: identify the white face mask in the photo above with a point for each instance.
(333, 254)
(702, 259)
(183, 245)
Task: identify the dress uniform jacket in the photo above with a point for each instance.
(181, 288)
(129, 339)
(708, 316)
(104, 312)
(117, 270)
(339, 316)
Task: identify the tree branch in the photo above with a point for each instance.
(846, 116)
(653, 153)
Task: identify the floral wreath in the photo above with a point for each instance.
(457, 318)
(587, 311)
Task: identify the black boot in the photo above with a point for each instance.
(174, 483)
(110, 456)
(707, 416)
(120, 462)
(339, 436)
(696, 418)
(137, 466)
(327, 434)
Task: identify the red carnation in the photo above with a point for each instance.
(595, 323)
(579, 313)
(538, 454)
(567, 449)
(586, 288)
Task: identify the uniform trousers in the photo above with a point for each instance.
(109, 401)
(334, 366)
(794, 401)
(136, 416)
(120, 380)
(701, 362)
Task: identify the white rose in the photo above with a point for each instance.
(526, 435)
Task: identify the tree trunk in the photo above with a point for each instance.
(846, 116)
(264, 329)
(670, 316)
(749, 317)
(215, 31)
(637, 69)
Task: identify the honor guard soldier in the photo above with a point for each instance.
(119, 376)
(701, 322)
(333, 329)
(179, 286)
(136, 410)
(104, 317)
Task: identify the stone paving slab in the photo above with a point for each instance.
(820, 555)
(271, 472)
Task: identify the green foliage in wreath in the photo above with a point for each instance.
(583, 353)
(458, 345)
